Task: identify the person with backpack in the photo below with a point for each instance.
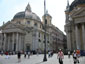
(75, 57)
(60, 56)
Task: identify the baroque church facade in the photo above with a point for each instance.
(75, 25)
(25, 32)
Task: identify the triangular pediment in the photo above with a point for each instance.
(9, 25)
(15, 27)
(79, 13)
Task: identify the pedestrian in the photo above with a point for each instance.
(25, 54)
(68, 53)
(78, 54)
(75, 57)
(28, 54)
(49, 54)
(2, 52)
(7, 54)
(60, 56)
(37, 51)
(19, 56)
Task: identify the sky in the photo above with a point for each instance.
(56, 8)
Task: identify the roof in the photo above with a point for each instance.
(27, 14)
(20, 15)
(75, 3)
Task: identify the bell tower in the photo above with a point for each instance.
(48, 19)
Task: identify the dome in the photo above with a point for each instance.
(19, 15)
(75, 3)
(27, 14)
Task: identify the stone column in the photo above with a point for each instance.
(83, 36)
(20, 42)
(4, 44)
(8, 45)
(1, 42)
(24, 46)
(68, 41)
(77, 37)
(17, 42)
(12, 41)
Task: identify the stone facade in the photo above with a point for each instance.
(26, 32)
(75, 25)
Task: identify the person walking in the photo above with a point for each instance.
(19, 56)
(60, 56)
(69, 53)
(25, 53)
(78, 54)
(75, 57)
(28, 54)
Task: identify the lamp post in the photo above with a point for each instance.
(45, 22)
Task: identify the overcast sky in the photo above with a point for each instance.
(56, 8)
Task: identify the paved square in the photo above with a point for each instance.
(34, 59)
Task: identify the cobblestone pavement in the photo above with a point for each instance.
(38, 59)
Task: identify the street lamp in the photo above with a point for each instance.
(45, 22)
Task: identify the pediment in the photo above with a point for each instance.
(79, 13)
(9, 26)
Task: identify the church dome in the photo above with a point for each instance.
(27, 14)
(19, 15)
(75, 3)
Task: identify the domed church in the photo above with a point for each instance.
(75, 25)
(26, 32)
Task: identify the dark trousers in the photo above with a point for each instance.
(60, 61)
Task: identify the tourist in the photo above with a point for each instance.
(68, 53)
(28, 54)
(60, 56)
(75, 57)
(19, 56)
(25, 54)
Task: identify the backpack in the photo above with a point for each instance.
(74, 55)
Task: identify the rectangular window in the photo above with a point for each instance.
(40, 26)
(45, 21)
(35, 24)
(39, 34)
(28, 22)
